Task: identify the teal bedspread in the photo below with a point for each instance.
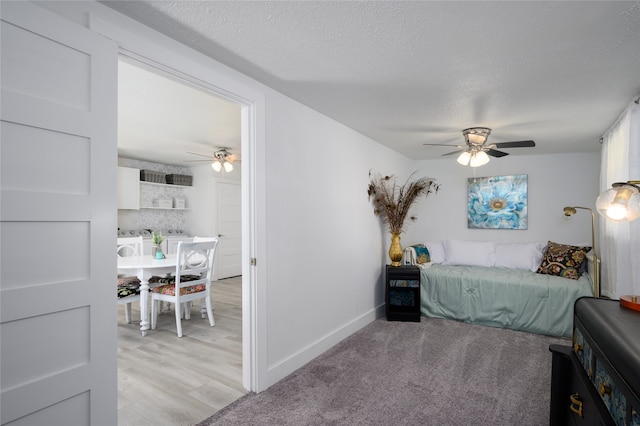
(499, 297)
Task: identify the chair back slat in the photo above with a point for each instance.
(195, 259)
(129, 246)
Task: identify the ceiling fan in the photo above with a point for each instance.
(220, 159)
(476, 151)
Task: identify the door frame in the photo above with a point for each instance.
(137, 41)
(250, 361)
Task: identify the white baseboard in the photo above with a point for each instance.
(302, 357)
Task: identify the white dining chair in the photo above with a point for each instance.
(128, 286)
(129, 246)
(197, 239)
(192, 281)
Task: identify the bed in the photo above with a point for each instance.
(500, 285)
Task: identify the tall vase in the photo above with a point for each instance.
(395, 251)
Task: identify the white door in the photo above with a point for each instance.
(58, 221)
(228, 223)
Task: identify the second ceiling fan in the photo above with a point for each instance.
(221, 159)
(476, 151)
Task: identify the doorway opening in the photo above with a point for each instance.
(163, 116)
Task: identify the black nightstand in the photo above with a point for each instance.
(402, 293)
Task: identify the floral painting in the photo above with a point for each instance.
(497, 202)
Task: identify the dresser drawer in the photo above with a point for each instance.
(583, 351)
(574, 400)
(583, 406)
(610, 393)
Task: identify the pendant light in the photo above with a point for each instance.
(621, 203)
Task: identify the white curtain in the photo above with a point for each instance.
(620, 241)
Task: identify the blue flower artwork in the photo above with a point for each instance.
(498, 202)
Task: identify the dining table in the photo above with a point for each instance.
(144, 267)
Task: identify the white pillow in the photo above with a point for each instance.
(520, 255)
(436, 251)
(471, 253)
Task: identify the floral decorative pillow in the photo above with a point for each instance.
(422, 253)
(564, 260)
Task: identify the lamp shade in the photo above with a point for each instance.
(620, 203)
(479, 159)
(228, 166)
(464, 158)
(216, 166)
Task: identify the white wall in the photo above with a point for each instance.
(325, 248)
(553, 183)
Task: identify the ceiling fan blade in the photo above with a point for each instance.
(201, 155)
(441, 144)
(232, 158)
(494, 153)
(515, 144)
(197, 161)
(453, 152)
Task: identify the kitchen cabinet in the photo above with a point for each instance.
(134, 194)
(128, 188)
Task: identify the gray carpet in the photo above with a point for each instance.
(436, 372)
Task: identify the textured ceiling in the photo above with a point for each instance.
(408, 73)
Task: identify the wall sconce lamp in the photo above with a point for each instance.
(621, 203)
(570, 211)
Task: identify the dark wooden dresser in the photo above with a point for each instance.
(596, 381)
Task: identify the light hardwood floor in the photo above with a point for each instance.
(167, 380)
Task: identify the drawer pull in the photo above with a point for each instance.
(576, 404)
(577, 347)
(604, 389)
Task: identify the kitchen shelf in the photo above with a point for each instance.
(166, 185)
(164, 208)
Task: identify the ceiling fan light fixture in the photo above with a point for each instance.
(476, 135)
(216, 165)
(464, 158)
(227, 166)
(476, 152)
(479, 159)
